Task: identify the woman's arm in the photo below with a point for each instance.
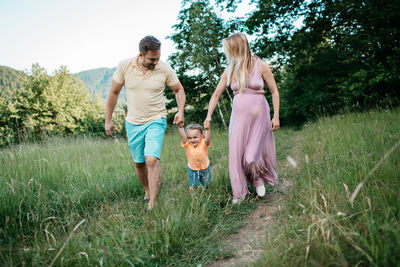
(269, 79)
(214, 99)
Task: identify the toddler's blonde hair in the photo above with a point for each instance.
(194, 127)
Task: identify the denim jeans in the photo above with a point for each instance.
(202, 177)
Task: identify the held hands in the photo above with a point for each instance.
(179, 119)
(207, 123)
(275, 124)
(110, 128)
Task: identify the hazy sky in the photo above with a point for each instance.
(83, 34)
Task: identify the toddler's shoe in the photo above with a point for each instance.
(260, 190)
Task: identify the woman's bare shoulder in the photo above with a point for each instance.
(262, 66)
(262, 63)
(224, 76)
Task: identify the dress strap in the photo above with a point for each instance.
(255, 67)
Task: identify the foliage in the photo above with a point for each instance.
(196, 99)
(10, 81)
(50, 105)
(6, 130)
(332, 54)
(199, 59)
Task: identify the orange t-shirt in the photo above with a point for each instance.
(197, 156)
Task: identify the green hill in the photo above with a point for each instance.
(10, 81)
(95, 80)
(99, 81)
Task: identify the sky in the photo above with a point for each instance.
(83, 34)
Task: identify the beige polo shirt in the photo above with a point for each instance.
(144, 92)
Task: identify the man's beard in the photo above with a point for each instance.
(150, 66)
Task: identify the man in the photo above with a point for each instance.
(145, 77)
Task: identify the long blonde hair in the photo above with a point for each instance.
(237, 51)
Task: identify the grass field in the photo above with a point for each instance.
(326, 221)
(76, 201)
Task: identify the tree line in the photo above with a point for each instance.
(48, 105)
(10, 81)
(326, 55)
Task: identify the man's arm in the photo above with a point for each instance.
(183, 134)
(110, 105)
(180, 100)
(207, 137)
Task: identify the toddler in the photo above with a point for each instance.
(197, 144)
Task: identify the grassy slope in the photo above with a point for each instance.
(46, 189)
(319, 225)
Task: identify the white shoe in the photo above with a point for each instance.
(236, 201)
(260, 190)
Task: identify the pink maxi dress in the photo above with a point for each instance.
(252, 158)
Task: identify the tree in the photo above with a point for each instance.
(199, 59)
(11, 80)
(28, 108)
(6, 132)
(332, 53)
(58, 104)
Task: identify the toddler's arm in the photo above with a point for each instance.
(183, 134)
(207, 137)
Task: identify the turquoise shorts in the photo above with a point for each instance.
(145, 139)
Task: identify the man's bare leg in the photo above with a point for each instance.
(154, 178)
(141, 172)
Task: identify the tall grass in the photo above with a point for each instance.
(76, 201)
(320, 224)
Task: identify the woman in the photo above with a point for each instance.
(252, 157)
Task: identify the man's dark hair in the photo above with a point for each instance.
(149, 43)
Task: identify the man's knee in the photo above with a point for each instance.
(152, 162)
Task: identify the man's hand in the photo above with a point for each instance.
(207, 123)
(109, 126)
(179, 119)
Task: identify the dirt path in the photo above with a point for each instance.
(247, 245)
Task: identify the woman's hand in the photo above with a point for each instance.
(275, 124)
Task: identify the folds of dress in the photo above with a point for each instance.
(252, 157)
